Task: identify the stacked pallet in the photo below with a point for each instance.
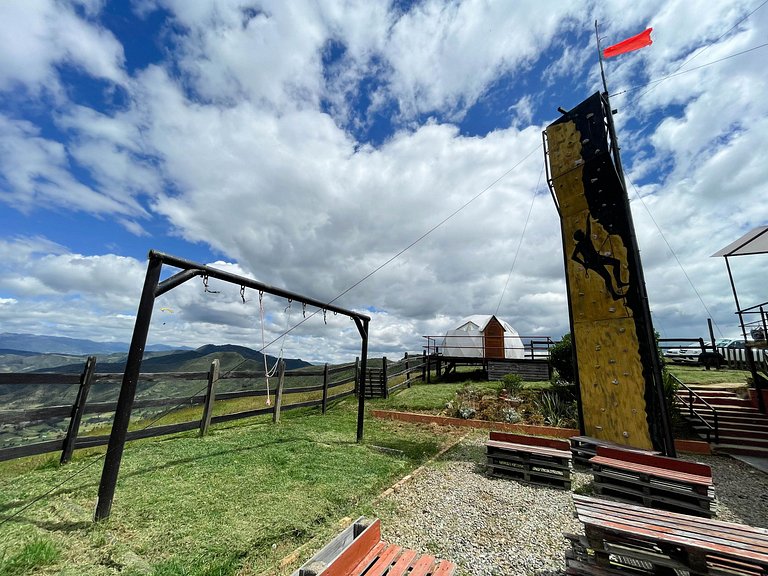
(583, 448)
(654, 481)
(529, 458)
(624, 539)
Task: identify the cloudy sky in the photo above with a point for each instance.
(305, 144)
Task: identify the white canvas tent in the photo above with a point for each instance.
(467, 340)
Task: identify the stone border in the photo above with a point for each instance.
(687, 446)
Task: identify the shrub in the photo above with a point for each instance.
(511, 416)
(561, 359)
(513, 383)
(466, 412)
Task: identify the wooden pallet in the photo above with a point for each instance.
(529, 458)
(359, 550)
(585, 447)
(654, 481)
(625, 539)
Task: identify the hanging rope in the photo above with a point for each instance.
(270, 372)
(263, 344)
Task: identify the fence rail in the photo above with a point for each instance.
(400, 374)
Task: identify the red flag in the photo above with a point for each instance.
(635, 43)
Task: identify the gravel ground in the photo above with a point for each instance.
(492, 526)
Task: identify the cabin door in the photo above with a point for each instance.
(493, 340)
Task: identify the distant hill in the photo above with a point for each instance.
(71, 346)
(230, 356)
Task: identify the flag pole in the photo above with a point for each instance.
(645, 312)
(609, 114)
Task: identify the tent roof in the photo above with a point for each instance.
(753, 242)
(481, 320)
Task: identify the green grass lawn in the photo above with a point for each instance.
(234, 502)
(700, 375)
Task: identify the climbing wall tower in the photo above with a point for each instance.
(619, 377)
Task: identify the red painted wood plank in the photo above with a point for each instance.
(383, 562)
(664, 473)
(694, 538)
(403, 563)
(529, 449)
(445, 568)
(665, 462)
(651, 535)
(700, 535)
(530, 440)
(360, 565)
(666, 521)
(423, 566)
(360, 547)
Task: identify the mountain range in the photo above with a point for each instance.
(68, 355)
(62, 345)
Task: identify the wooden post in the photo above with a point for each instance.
(407, 372)
(122, 418)
(210, 397)
(384, 379)
(279, 392)
(325, 388)
(423, 365)
(429, 371)
(357, 375)
(77, 409)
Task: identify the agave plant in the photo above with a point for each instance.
(555, 411)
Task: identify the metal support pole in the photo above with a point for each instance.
(127, 390)
(736, 299)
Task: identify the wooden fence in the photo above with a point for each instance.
(69, 416)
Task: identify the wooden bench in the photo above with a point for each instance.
(626, 538)
(585, 447)
(529, 458)
(359, 550)
(654, 481)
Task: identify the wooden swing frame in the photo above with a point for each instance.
(153, 289)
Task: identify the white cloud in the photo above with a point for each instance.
(242, 141)
(37, 36)
(39, 172)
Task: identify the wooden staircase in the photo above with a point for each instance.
(742, 429)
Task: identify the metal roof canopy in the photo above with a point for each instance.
(753, 242)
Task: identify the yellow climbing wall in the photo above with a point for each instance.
(611, 381)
